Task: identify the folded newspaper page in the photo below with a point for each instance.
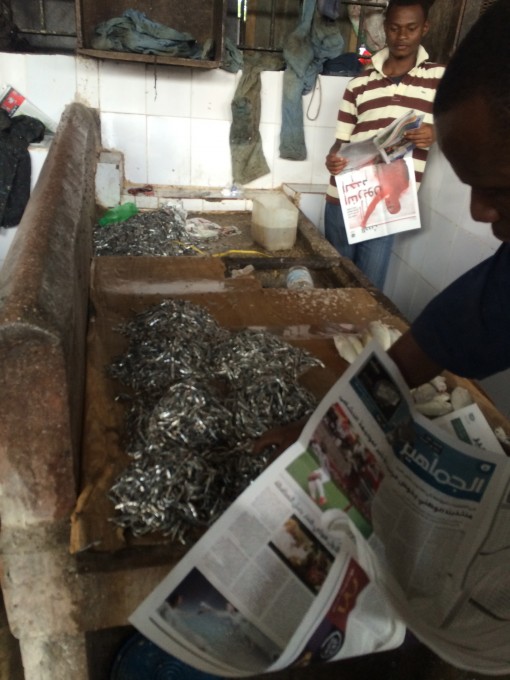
(387, 145)
(391, 141)
(373, 520)
(379, 199)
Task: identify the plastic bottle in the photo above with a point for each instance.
(118, 213)
(299, 278)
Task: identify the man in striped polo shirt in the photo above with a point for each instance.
(399, 79)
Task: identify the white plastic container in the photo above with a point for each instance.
(16, 104)
(274, 221)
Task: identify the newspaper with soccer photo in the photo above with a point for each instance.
(374, 520)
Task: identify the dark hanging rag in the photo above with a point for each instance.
(135, 32)
(15, 166)
(248, 160)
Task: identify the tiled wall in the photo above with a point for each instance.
(449, 243)
(172, 125)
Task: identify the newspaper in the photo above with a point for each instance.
(373, 520)
(377, 188)
(387, 145)
(391, 141)
(379, 199)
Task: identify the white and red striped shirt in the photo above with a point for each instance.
(372, 100)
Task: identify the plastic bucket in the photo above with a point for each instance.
(274, 221)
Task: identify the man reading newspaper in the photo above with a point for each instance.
(410, 524)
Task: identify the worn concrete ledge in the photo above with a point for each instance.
(43, 317)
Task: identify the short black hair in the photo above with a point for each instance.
(480, 66)
(424, 4)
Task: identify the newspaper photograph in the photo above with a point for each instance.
(387, 145)
(378, 200)
(373, 520)
(392, 141)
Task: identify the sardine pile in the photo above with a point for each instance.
(200, 395)
(159, 232)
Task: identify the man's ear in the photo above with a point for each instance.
(426, 27)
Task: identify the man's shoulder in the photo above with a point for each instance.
(359, 80)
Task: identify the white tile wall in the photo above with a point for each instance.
(469, 251)
(441, 235)
(50, 82)
(271, 97)
(127, 133)
(166, 163)
(122, 87)
(211, 94)
(400, 283)
(454, 243)
(168, 92)
(13, 70)
(211, 164)
(37, 157)
(6, 238)
(449, 243)
(312, 206)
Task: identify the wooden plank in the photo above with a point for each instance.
(149, 58)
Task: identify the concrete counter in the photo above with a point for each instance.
(63, 606)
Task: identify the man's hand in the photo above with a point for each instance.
(334, 162)
(422, 137)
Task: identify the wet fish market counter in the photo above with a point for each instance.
(122, 287)
(56, 335)
(234, 246)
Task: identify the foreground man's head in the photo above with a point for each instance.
(472, 113)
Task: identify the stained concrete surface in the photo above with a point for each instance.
(10, 657)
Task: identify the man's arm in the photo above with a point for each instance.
(416, 367)
(414, 364)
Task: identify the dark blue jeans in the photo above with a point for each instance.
(371, 257)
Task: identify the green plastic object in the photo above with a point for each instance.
(118, 213)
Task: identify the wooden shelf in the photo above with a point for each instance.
(149, 58)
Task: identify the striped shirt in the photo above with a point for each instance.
(372, 101)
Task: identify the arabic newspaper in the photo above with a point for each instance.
(379, 199)
(374, 517)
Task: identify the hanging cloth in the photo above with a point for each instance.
(248, 160)
(315, 40)
(16, 134)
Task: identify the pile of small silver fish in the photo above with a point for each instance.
(200, 395)
(160, 232)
